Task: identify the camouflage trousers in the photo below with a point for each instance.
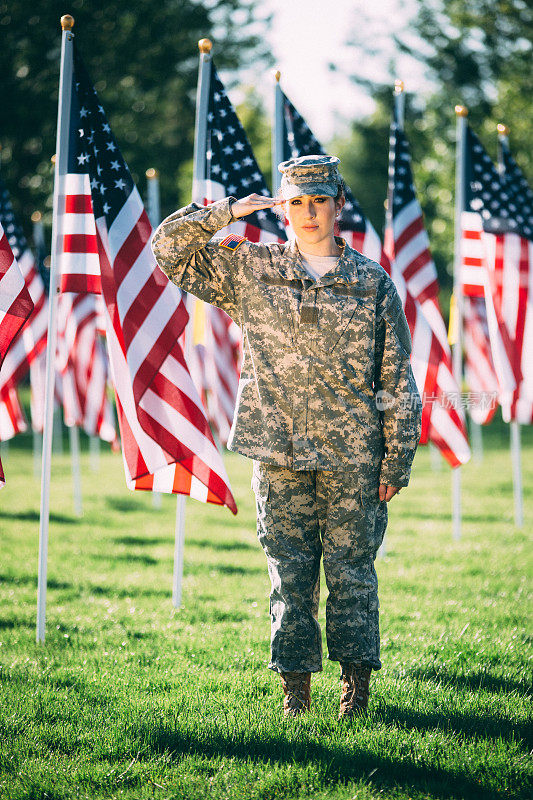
(301, 516)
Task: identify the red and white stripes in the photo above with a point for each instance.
(167, 444)
(496, 268)
(83, 365)
(79, 265)
(31, 341)
(443, 419)
(411, 253)
(12, 417)
(480, 375)
(16, 304)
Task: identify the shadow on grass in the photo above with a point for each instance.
(212, 615)
(142, 541)
(11, 624)
(214, 545)
(487, 725)
(476, 681)
(123, 504)
(31, 580)
(225, 569)
(33, 516)
(92, 588)
(413, 513)
(130, 557)
(337, 764)
(124, 591)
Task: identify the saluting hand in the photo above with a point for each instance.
(254, 202)
(387, 492)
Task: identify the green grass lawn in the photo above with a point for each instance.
(131, 698)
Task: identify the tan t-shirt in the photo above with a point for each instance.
(317, 266)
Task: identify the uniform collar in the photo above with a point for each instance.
(346, 271)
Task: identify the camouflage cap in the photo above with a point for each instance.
(309, 175)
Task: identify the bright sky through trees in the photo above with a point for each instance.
(307, 35)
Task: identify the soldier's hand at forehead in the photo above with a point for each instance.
(387, 492)
(254, 202)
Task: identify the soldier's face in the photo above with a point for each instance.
(312, 217)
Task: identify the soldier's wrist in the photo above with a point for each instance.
(231, 201)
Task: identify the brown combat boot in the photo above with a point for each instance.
(297, 689)
(355, 689)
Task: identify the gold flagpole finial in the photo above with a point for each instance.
(67, 22)
(152, 173)
(277, 75)
(461, 111)
(503, 130)
(205, 45)
(36, 216)
(398, 86)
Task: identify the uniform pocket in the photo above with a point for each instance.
(260, 483)
(369, 494)
(368, 480)
(353, 319)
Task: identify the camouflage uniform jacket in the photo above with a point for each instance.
(315, 352)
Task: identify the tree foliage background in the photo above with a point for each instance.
(143, 59)
(477, 53)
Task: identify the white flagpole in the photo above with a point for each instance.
(457, 353)
(153, 204)
(435, 458)
(153, 209)
(94, 453)
(200, 143)
(277, 134)
(477, 440)
(38, 242)
(74, 439)
(516, 457)
(63, 115)
(37, 452)
(399, 115)
(517, 473)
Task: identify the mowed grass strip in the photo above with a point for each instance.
(131, 698)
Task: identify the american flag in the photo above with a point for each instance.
(520, 318)
(480, 375)
(214, 361)
(497, 234)
(16, 304)
(230, 168)
(409, 238)
(222, 369)
(407, 245)
(12, 417)
(94, 412)
(83, 365)
(166, 441)
(38, 392)
(31, 340)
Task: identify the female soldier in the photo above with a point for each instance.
(327, 407)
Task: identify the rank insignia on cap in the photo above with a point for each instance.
(232, 242)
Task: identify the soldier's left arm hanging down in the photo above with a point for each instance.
(397, 395)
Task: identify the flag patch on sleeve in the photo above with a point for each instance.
(232, 242)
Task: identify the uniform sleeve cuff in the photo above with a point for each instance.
(394, 477)
(220, 214)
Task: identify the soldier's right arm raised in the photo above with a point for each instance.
(214, 272)
(183, 249)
